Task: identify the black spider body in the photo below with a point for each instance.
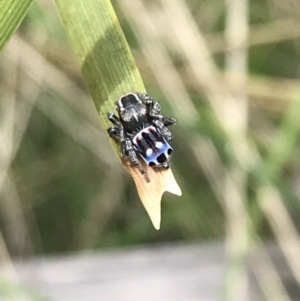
(142, 130)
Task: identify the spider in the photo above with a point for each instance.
(142, 131)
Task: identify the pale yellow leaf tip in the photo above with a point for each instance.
(150, 193)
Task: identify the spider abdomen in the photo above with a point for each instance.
(152, 147)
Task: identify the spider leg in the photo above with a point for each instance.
(164, 131)
(113, 119)
(114, 132)
(153, 109)
(128, 148)
(168, 121)
(147, 99)
(117, 133)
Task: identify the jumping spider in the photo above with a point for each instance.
(142, 131)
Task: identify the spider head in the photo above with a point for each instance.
(130, 107)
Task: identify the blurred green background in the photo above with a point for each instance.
(231, 83)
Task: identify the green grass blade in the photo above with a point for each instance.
(102, 51)
(12, 13)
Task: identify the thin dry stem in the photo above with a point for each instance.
(191, 44)
(275, 32)
(266, 274)
(283, 227)
(12, 131)
(15, 220)
(236, 120)
(6, 265)
(46, 76)
(159, 61)
(261, 264)
(101, 212)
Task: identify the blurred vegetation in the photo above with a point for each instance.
(236, 140)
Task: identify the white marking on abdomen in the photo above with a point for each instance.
(158, 144)
(149, 152)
